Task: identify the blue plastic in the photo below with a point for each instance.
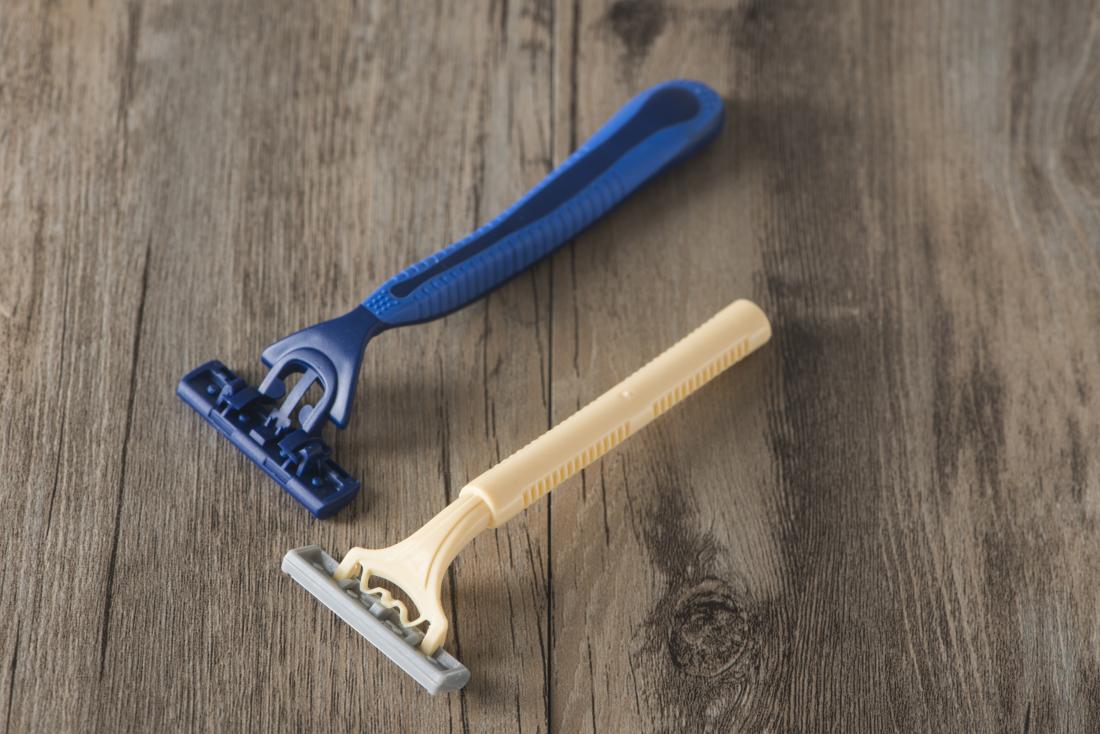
(658, 128)
(297, 460)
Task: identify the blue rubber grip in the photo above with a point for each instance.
(656, 129)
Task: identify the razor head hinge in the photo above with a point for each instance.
(298, 460)
(312, 568)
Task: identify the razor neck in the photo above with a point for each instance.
(329, 353)
(417, 565)
(432, 548)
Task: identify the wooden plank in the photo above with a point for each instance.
(72, 286)
(663, 555)
(885, 520)
(360, 141)
(273, 163)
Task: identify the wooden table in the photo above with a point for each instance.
(887, 519)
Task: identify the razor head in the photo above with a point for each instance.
(312, 568)
(298, 460)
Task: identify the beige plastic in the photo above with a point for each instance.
(417, 564)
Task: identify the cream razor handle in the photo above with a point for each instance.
(536, 469)
(418, 563)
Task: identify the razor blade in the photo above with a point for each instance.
(312, 568)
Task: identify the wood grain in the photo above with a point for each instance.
(886, 520)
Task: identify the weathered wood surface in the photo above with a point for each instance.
(886, 520)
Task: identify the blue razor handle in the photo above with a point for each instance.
(281, 433)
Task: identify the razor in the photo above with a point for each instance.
(277, 426)
(416, 565)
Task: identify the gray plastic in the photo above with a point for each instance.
(312, 568)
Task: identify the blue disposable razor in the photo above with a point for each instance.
(281, 432)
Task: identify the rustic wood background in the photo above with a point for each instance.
(885, 520)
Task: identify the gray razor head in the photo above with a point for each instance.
(313, 568)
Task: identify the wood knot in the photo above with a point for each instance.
(710, 634)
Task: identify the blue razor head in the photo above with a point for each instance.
(297, 459)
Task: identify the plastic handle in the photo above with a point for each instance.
(659, 127)
(533, 471)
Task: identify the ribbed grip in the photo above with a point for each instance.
(657, 128)
(558, 454)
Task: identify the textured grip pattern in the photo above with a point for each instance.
(702, 377)
(511, 255)
(656, 129)
(546, 484)
(622, 411)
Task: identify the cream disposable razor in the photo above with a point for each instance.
(417, 564)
